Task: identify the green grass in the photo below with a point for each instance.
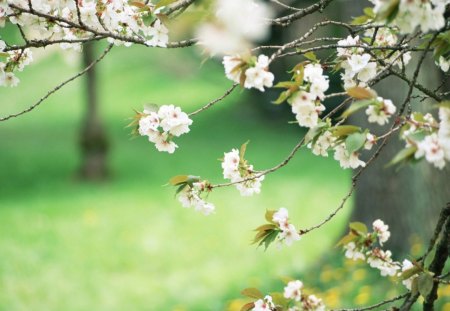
(127, 244)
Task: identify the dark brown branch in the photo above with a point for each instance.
(59, 86)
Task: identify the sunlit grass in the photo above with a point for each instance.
(127, 244)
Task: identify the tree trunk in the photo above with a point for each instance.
(93, 140)
(408, 199)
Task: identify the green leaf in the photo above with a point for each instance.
(358, 227)
(243, 150)
(360, 20)
(403, 155)
(260, 236)
(444, 104)
(425, 284)
(286, 84)
(345, 130)
(181, 188)
(351, 237)
(248, 306)
(164, 3)
(414, 287)
(361, 93)
(357, 105)
(279, 300)
(181, 179)
(355, 141)
(311, 56)
(177, 180)
(266, 227)
(417, 136)
(138, 4)
(388, 10)
(410, 272)
(269, 215)
(269, 238)
(283, 97)
(314, 132)
(369, 12)
(252, 293)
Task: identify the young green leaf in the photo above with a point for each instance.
(357, 105)
(269, 215)
(410, 272)
(402, 156)
(243, 150)
(252, 293)
(361, 93)
(311, 56)
(358, 227)
(164, 3)
(351, 237)
(248, 306)
(179, 179)
(283, 97)
(425, 284)
(345, 130)
(354, 142)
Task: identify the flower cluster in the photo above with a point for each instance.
(15, 61)
(161, 124)
(359, 245)
(410, 14)
(346, 145)
(126, 19)
(407, 265)
(236, 168)
(251, 72)
(443, 63)
(288, 232)
(264, 304)
(237, 23)
(292, 298)
(293, 291)
(346, 158)
(426, 138)
(306, 102)
(357, 65)
(120, 21)
(361, 67)
(380, 111)
(190, 196)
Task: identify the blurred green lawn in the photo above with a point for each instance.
(127, 244)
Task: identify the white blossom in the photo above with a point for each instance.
(9, 79)
(258, 76)
(293, 290)
(382, 230)
(159, 34)
(431, 148)
(346, 159)
(407, 265)
(444, 64)
(352, 252)
(265, 304)
(289, 235)
(381, 112)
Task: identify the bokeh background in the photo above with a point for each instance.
(124, 242)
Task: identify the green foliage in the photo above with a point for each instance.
(125, 244)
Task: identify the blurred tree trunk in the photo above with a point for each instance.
(408, 199)
(93, 140)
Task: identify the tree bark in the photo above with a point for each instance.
(93, 140)
(407, 198)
